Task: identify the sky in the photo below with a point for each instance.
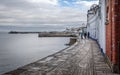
(43, 12)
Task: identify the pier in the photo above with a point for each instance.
(57, 34)
(82, 58)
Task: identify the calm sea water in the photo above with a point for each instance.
(17, 50)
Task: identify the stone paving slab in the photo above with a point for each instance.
(83, 58)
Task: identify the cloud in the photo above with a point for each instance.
(40, 12)
(53, 2)
(86, 3)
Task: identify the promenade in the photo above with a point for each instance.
(83, 58)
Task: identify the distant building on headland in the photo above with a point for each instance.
(103, 24)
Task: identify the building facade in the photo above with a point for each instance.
(92, 21)
(103, 23)
(96, 19)
(113, 33)
(101, 28)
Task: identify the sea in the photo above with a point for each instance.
(17, 50)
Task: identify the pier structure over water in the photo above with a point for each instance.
(82, 58)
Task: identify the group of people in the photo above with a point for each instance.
(84, 35)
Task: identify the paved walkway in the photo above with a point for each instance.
(84, 58)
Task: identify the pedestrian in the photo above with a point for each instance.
(85, 35)
(88, 34)
(82, 35)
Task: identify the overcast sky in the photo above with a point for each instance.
(43, 12)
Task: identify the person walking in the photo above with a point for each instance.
(88, 35)
(85, 35)
(81, 35)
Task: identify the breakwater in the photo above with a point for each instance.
(56, 34)
(48, 34)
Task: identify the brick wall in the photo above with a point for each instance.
(108, 31)
(117, 31)
(113, 33)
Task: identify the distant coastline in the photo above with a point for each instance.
(18, 32)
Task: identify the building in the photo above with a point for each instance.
(101, 26)
(96, 19)
(103, 23)
(113, 33)
(92, 18)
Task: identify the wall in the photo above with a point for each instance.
(102, 34)
(113, 34)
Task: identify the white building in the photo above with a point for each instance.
(92, 21)
(102, 27)
(96, 19)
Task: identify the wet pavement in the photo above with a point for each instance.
(82, 58)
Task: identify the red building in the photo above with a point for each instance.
(113, 33)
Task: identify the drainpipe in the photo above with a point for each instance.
(111, 28)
